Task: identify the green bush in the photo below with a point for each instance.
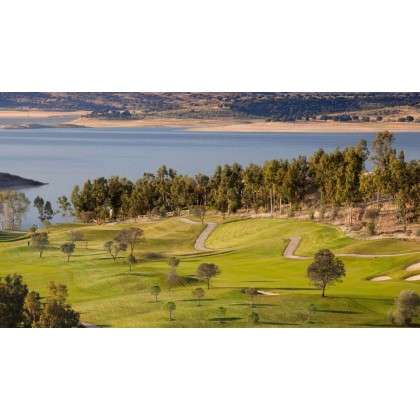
(370, 228)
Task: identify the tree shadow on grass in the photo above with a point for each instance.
(259, 281)
(233, 318)
(333, 311)
(153, 256)
(256, 306)
(295, 288)
(137, 274)
(195, 300)
(366, 324)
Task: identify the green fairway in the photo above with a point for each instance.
(249, 253)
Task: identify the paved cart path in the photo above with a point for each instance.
(289, 252)
(201, 240)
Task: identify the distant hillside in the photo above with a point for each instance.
(276, 106)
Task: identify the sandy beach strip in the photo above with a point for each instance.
(243, 126)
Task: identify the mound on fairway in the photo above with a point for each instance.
(381, 278)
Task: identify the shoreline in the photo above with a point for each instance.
(234, 125)
(253, 126)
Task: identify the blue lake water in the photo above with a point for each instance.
(65, 157)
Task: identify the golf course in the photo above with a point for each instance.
(249, 253)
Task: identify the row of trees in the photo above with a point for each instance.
(21, 308)
(325, 180)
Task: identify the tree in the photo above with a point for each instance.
(407, 307)
(75, 236)
(173, 262)
(221, 312)
(252, 292)
(57, 313)
(113, 248)
(40, 242)
(155, 290)
(200, 212)
(130, 237)
(46, 224)
(45, 210)
(68, 249)
(13, 208)
(32, 310)
(253, 318)
(131, 260)
(206, 271)
(326, 269)
(64, 207)
(311, 311)
(33, 229)
(381, 156)
(12, 297)
(198, 294)
(170, 307)
(171, 278)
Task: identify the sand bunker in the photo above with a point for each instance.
(381, 278)
(413, 278)
(413, 267)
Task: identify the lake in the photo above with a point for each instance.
(65, 157)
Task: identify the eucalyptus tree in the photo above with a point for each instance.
(13, 208)
(64, 207)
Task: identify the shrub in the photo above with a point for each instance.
(407, 307)
(371, 213)
(233, 207)
(409, 118)
(322, 211)
(253, 318)
(370, 228)
(311, 214)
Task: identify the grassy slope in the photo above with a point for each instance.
(249, 253)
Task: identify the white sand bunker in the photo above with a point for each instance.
(413, 267)
(413, 278)
(381, 278)
(262, 292)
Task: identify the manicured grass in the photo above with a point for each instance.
(249, 253)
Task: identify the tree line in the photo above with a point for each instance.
(325, 181)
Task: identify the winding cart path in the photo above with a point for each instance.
(201, 240)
